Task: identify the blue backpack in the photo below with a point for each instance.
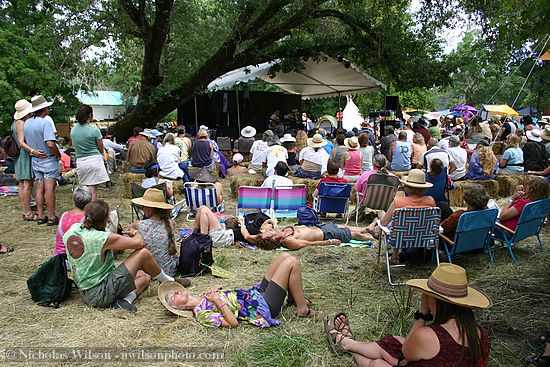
(307, 216)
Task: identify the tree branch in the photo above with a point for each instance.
(137, 16)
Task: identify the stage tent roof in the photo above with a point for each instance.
(319, 79)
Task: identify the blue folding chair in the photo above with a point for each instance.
(251, 197)
(198, 194)
(287, 200)
(333, 197)
(531, 221)
(410, 228)
(473, 232)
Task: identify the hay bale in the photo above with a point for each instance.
(244, 180)
(456, 196)
(128, 179)
(311, 185)
(399, 174)
(507, 184)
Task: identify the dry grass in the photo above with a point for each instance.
(336, 279)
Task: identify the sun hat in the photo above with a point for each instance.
(287, 137)
(545, 134)
(164, 289)
(349, 134)
(202, 133)
(153, 198)
(533, 135)
(316, 141)
(365, 124)
(238, 158)
(203, 176)
(417, 179)
(39, 102)
(352, 143)
(449, 283)
(248, 132)
(146, 133)
(156, 133)
(22, 109)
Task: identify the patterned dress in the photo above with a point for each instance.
(156, 241)
(247, 305)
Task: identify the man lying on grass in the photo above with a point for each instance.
(90, 253)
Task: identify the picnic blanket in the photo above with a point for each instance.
(352, 243)
(9, 190)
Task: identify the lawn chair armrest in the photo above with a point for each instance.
(506, 228)
(386, 230)
(446, 239)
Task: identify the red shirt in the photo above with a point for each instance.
(518, 204)
(332, 179)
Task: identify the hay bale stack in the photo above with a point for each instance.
(399, 174)
(128, 178)
(507, 184)
(244, 180)
(311, 185)
(456, 196)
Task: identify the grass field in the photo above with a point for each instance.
(335, 279)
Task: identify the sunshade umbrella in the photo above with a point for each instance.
(449, 112)
(501, 109)
(461, 107)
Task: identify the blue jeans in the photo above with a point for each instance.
(184, 166)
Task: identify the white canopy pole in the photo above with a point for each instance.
(196, 118)
(238, 111)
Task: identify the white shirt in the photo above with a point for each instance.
(319, 157)
(50, 120)
(435, 152)
(443, 143)
(459, 156)
(275, 180)
(274, 155)
(109, 144)
(410, 135)
(168, 158)
(258, 149)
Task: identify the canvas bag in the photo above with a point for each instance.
(50, 285)
(253, 222)
(9, 144)
(307, 216)
(195, 254)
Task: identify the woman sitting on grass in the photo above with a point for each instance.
(258, 305)
(444, 334)
(158, 229)
(81, 196)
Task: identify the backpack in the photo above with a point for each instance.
(307, 216)
(253, 222)
(195, 254)
(9, 144)
(50, 285)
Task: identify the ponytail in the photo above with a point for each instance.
(88, 222)
(165, 216)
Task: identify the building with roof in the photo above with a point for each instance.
(108, 105)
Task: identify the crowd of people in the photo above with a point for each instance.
(445, 328)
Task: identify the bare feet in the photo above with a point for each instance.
(308, 312)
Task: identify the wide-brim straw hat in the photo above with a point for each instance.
(153, 198)
(545, 134)
(352, 143)
(248, 132)
(416, 179)
(534, 135)
(166, 288)
(449, 283)
(22, 109)
(365, 124)
(316, 141)
(202, 133)
(287, 138)
(39, 102)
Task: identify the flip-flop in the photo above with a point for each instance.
(335, 345)
(344, 325)
(7, 250)
(42, 220)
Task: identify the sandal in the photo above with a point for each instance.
(333, 339)
(344, 328)
(30, 217)
(5, 249)
(53, 222)
(42, 220)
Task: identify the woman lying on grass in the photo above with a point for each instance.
(258, 305)
(444, 334)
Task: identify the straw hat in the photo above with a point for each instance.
(152, 198)
(202, 134)
(287, 137)
(248, 132)
(365, 124)
(316, 142)
(449, 283)
(39, 102)
(534, 135)
(417, 179)
(22, 109)
(352, 143)
(545, 134)
(166, 288)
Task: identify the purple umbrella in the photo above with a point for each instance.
(461, 107)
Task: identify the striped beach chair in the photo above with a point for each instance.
(251, 197)
(377, 194)
(197, 194)
(287, 200)
(410, 228)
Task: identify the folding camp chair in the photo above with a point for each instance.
(530, 223)
(197, 194)
(333, 197)
(377, 194)
(410, 228)
(224, 143)
(251, 197)
(473, 232)
(137, 192)
(440, 189)
(287, 200)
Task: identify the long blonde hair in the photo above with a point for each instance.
(301, 140)
(487, 160)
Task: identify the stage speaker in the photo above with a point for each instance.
(392, 103)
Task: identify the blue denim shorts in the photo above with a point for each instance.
(45, 168)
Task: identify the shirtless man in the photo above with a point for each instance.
(297, 237)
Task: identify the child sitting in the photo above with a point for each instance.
(332, 176)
